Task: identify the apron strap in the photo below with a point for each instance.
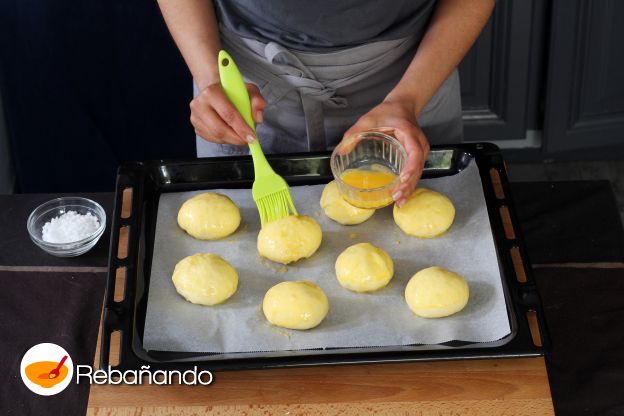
(315, 124)
(313, 93)
(299, 76)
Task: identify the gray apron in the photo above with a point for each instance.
(313, 98)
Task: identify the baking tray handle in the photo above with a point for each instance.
(120, 289)
(524, 290)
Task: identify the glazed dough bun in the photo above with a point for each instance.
(341, 211)
(205, 279)
(295, 305)
(436, 292)
(289, 239)
(426, 214)
(364, 268)
(209, 216)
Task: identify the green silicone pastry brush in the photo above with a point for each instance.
(270, 191)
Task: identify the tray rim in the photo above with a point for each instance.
(519, 298)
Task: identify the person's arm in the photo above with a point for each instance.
(194, 28)
(454, 27)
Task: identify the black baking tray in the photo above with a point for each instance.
(148, 180)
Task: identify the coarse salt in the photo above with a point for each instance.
(70, 227)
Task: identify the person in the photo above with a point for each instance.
(319, 71)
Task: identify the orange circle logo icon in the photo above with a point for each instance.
(46, 369)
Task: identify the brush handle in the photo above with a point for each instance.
(236, 91)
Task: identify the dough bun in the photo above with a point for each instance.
(425, 214)
(364, 267)
(341, 211)
(209, 216)
(295, 305)
(289, 239)
(435, 293)
(205, 279)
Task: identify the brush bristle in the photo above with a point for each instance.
(275, 206)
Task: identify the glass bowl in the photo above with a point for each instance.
(372, 150)
(56, 207)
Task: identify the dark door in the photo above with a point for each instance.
(497, 74)
(585, 93)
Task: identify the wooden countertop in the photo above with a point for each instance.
(480, 387)
(473, 387)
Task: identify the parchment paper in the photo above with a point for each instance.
(355, 320)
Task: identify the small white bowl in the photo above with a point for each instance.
(56, 207)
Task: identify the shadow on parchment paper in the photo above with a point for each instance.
(257, 284)
(465, 214)
(176, 231)
(480, 298)
(339, 240)
(345, 314)
(404, 269)
(249, 214)
(279, 271)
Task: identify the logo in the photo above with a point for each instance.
(46, 369)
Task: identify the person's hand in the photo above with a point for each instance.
(398, 117)
(216, 120)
